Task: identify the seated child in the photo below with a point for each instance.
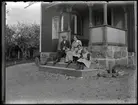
(84, 60)
(76, 54)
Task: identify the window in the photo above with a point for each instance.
(75, 23)
(62, 20)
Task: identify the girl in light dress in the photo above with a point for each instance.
(84, 60)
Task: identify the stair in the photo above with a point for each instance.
(60, 68)
(61, 64)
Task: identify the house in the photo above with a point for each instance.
(109, 29)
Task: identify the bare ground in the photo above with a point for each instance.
(26, 84)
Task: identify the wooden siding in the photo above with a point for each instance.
(47, 44)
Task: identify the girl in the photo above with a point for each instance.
(85, 59)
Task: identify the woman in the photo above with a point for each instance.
(71, 52)
(85, 59)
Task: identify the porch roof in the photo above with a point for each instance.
(72, 3)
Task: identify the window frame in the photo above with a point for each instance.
(78, 16)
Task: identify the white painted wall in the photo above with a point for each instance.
(115, 35)
(96, 34)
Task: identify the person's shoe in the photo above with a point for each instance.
(68, 63)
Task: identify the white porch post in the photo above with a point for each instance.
(90, 25)
(105, 23)
(60, 16)
(105, 14)
(90, 15)
(70, 10)
(125, 19)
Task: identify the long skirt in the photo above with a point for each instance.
(69, 56)
(86, 62)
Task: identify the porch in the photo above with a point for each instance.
(94, 24)
(104, 27)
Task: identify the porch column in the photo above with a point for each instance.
(70, 10)
(105, 23)
(60, 16)
(125, 19)
(105, 14)
(90, 15)
(90, 25)
(108, 65)
(125, 16)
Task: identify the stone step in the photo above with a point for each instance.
(70, 71)
(61, 64)
(72, 65)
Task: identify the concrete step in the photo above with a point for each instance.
(70, 71)
(72, 65)
(62, 64)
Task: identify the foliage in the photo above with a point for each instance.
(9, 40)
(25, 36)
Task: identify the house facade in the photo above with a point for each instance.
(108, 29)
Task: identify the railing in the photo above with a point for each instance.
(108, 34)
(116, 36)
(96, 34)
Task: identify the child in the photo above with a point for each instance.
(84, 60)
(75, 54)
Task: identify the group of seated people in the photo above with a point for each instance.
(74, 53)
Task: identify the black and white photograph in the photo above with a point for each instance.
(69, 52)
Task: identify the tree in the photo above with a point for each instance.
(9, 40)
(27, 36)
(24, 36)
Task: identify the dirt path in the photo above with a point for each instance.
(26, 84)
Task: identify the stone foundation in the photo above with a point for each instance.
(46, 56)
(132, 58)
(102, 57)
(109, 56)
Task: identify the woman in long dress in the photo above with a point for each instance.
(71, 52)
